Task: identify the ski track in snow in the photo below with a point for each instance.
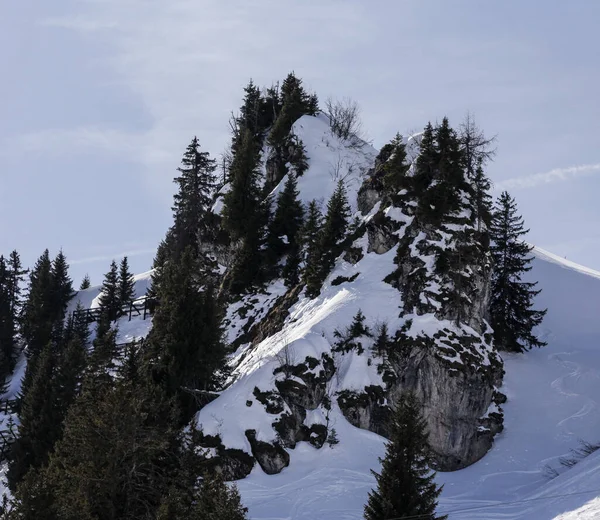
(551, 404)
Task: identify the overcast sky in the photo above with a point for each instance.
(101, 97)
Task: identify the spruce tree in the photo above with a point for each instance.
(126, 284)
(291, 270)
(110, 305)
(85, 283)
(217, 501)
(512, 315)
(405, 487)
(242, 203)
(62, 287)
(287, 221)
(395, 168)
(310, 238)
(185, 346)
(38, 419)
(193, 219)
(38, 319)
(16, 277)
(116, 459)
(8, 323)
(332, 233)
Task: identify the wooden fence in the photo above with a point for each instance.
(141, 307)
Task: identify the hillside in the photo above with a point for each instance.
(401, 305)
(551, 404)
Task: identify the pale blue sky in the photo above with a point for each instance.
(100, 98)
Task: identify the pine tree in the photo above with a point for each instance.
(16, 277)
(194, 222)
(62, 289)
(405, 487)
(38, 419)
(332, 438)
(116, 459)
(481, 201)
(331, 235)
(396, 167)
(109, 302)
(185, 344)
(217, 501)
(7, 322)
(310, 238)
(242, 203)
(85, 283)
(291, 270)
(287, 221)
(512, 315)
(126, 284)
(39, 313)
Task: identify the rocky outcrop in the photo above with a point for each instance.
(271, 457)
(455, 405)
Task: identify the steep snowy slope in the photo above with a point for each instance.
(552, 402)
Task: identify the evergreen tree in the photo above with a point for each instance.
(295, 102)
(38, 419)
(396, 167)
(16, 277)
(481, 201)
(79, 326)
(62, 288)
(126, 284)
(193, 219)
(217, 501)
(332, 438)
(242, 203)
(38, 319)
(310, 238)
(7, 322)
(291, 270)
(331, 235)
(512, 315)
(287, 221)
(405, 487)
(85, 283)
(110, 305)
(117, 458)
(185, 344)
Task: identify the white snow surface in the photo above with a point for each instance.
(553, 395)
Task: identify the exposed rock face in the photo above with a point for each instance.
(455, 403)
(271, 457)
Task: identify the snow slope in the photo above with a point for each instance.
(553, 398)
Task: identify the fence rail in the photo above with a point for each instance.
(141, 307)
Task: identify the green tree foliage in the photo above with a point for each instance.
(295, 102)
(331, 236)
(110, 305)
(85, 283)
(395, 168)
(405, 487)
(310, 237)
(116, 459)
(61, 287)
(287, 221)
(194, 222)
(38, 419)
(38, 319)
(511, 308)
(11, 277)
(242, 203)
(185, 343)
(126, 284)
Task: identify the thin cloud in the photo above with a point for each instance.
(108, 258)
(556, 175)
